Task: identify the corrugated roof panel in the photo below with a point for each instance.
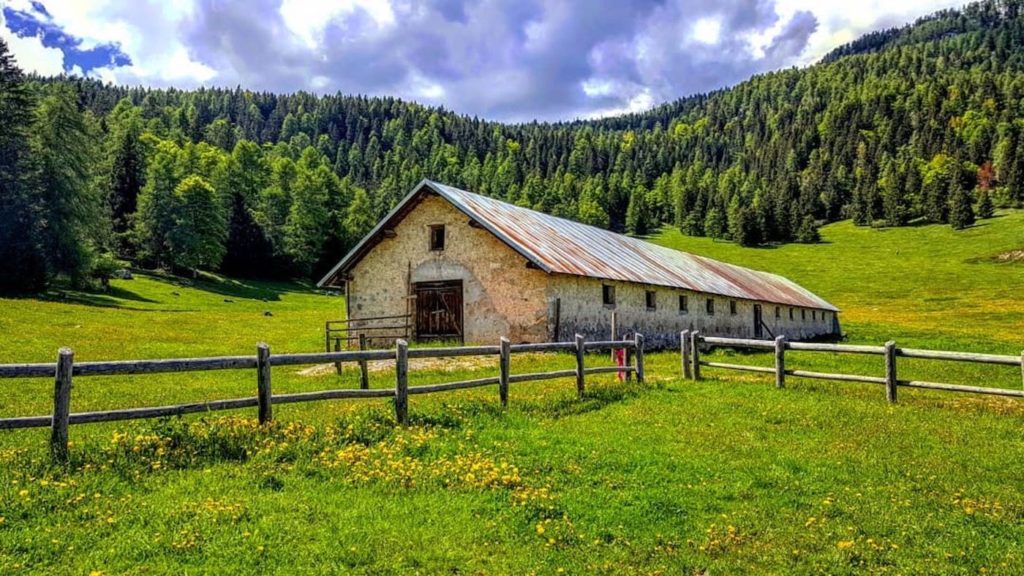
(567, 247)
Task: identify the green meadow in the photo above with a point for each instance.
(723, 476)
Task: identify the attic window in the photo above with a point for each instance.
(608, 295)
(684, 304)
(710, 306)
(437, 237)
(651, 298)
(732, 307)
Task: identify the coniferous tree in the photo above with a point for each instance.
(74, 218)
(961, 212)
(637, 216)
(127, 176)
(155, 219)
(305, 229)
(21, 248)
(247, 250)
(985, 207)
(358, 219)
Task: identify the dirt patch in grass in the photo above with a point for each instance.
(432, 364)
(1013, 256)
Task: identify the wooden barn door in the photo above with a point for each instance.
(439, 310)
(758, 330)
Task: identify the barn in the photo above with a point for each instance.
(470, 268)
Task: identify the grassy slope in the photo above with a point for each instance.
(726, 476)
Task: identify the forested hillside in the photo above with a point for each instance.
(922, 122)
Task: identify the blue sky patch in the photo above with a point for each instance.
(38, 22)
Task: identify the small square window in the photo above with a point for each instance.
(437, 237)
(684, 304)
(608, 295)
(651, 298)
(710, 306)
(778, 312)
(732, 307)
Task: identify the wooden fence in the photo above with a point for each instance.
(65, 369)
(693, 342)
(343, 333)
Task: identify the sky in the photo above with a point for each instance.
(508, 60)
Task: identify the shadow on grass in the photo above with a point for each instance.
(594, 399)
(115, 297)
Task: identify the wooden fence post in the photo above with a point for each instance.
(580, 351)
(504, 365)
(364, 373)
(61, 405)
(629, 360)
(695, 353)
(684, 353)
(402, 381)
(890, 371)
(1022, 367)
(780, 361)
(263, 395)
(638, 340)
(615, 331)
(337, 348)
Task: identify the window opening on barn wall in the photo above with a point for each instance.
(684, 304)
(814, 314)
(652, 302)
(803, 314)
(778, 312)
(732, 307)
(608, 295)
(437, 237)
(711, 306)
(790, 313)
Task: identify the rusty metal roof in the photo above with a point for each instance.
(560, 246)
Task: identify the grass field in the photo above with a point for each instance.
(724, 476)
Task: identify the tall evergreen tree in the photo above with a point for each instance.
(127, 175)
(22, 259)
(961, 211)
(75, 218)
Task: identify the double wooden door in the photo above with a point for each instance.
(439, 310)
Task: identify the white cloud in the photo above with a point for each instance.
(146, 30)
(707, 30)
(30, 54)
(308, 19)
(502, 59)
(841, 21)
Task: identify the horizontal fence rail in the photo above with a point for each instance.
(692, 344)
(65, 369)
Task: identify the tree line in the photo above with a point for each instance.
(919, 123)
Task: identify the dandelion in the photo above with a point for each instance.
(23, 493)
(540, 528)
(844, 544)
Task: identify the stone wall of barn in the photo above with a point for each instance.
(501, 296)
(583, 311)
